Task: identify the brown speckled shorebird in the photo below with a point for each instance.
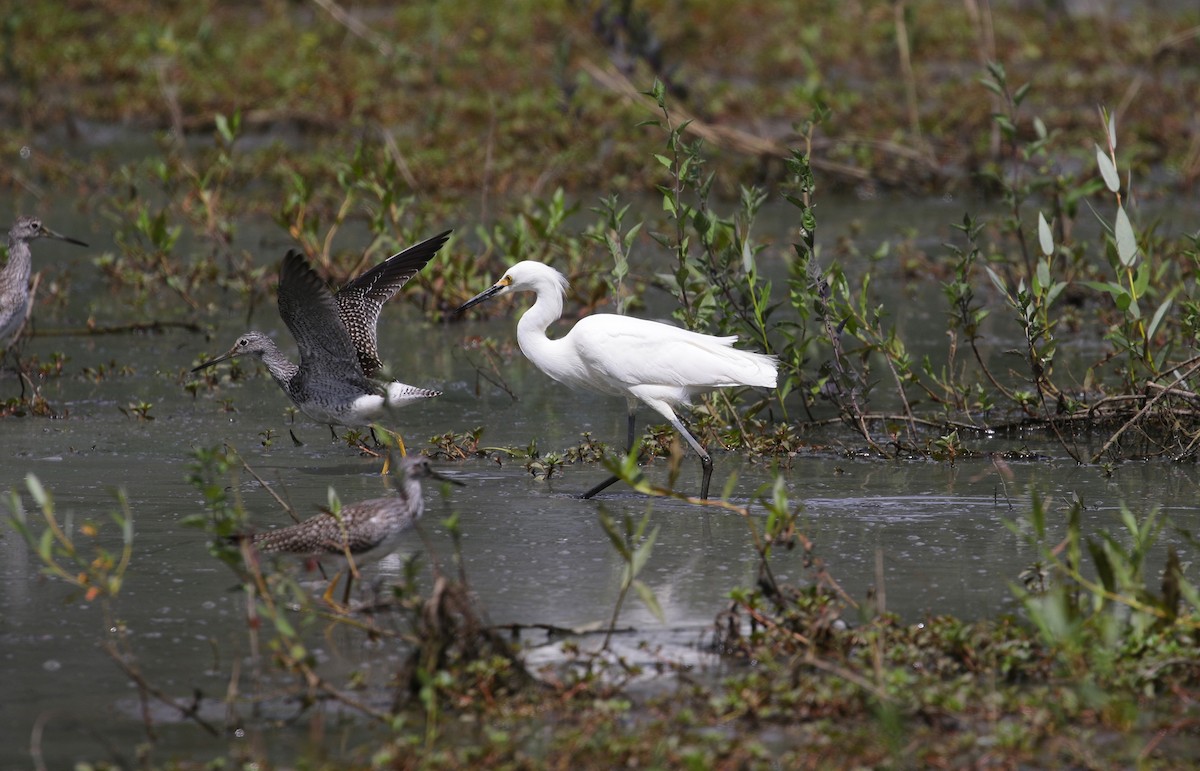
(15, 293)
(339, 357)
(358, 534)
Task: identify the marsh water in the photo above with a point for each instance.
(931, 537)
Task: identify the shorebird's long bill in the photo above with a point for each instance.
(486, 294)
(223, 357)
(434, 474)
(46, 232)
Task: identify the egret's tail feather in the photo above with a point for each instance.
(749, 368)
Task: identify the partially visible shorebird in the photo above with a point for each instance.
(360, 533)
(658, 364)
(336, 336)
(15, 294)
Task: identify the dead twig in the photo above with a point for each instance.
(356, 27)
(122, 329)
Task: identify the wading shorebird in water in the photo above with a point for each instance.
(336, 335)
(648, 361)
(16, 295)
(359, 533)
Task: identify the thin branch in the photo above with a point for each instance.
(356, 27)
(121, 329)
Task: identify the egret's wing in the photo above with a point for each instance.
(360, 301)
(310, 312)
(635, 352)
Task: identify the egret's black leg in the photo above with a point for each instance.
(706, 465)
(628, 449)
(607, 483)
(706, 475)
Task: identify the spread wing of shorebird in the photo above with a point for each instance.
(359, 302)
(327, 353)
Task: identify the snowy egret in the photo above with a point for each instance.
(15, 293)
(658, 364)
(359, 533)
(336, 335)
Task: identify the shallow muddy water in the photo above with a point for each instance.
(534, 553)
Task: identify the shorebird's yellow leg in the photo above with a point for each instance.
(333, 582)
(392, 439)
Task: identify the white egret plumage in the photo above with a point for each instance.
(658, 364)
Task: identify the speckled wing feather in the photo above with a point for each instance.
(308, 308)
(360, 301)
(321, 535)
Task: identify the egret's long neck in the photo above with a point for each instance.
(531, 331)
(281, 369)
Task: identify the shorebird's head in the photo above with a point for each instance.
(255, 343)
(29, 228)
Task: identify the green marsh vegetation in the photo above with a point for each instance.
(326, 128)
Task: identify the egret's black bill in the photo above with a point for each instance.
(484, 295)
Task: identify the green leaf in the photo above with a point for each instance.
(650, 601)
(1108, 170)
(1127, 247)
(992, 86)
(664, 160)
(1158, 317)
(658, 92)
(614, 535)
(283, 626)
(1116, 290)
(1141, 282)
(999, 282)
(1045, 237)
(36, 490)
(633, 231)
(224, 129)
(1042, 277)
(642, 552)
